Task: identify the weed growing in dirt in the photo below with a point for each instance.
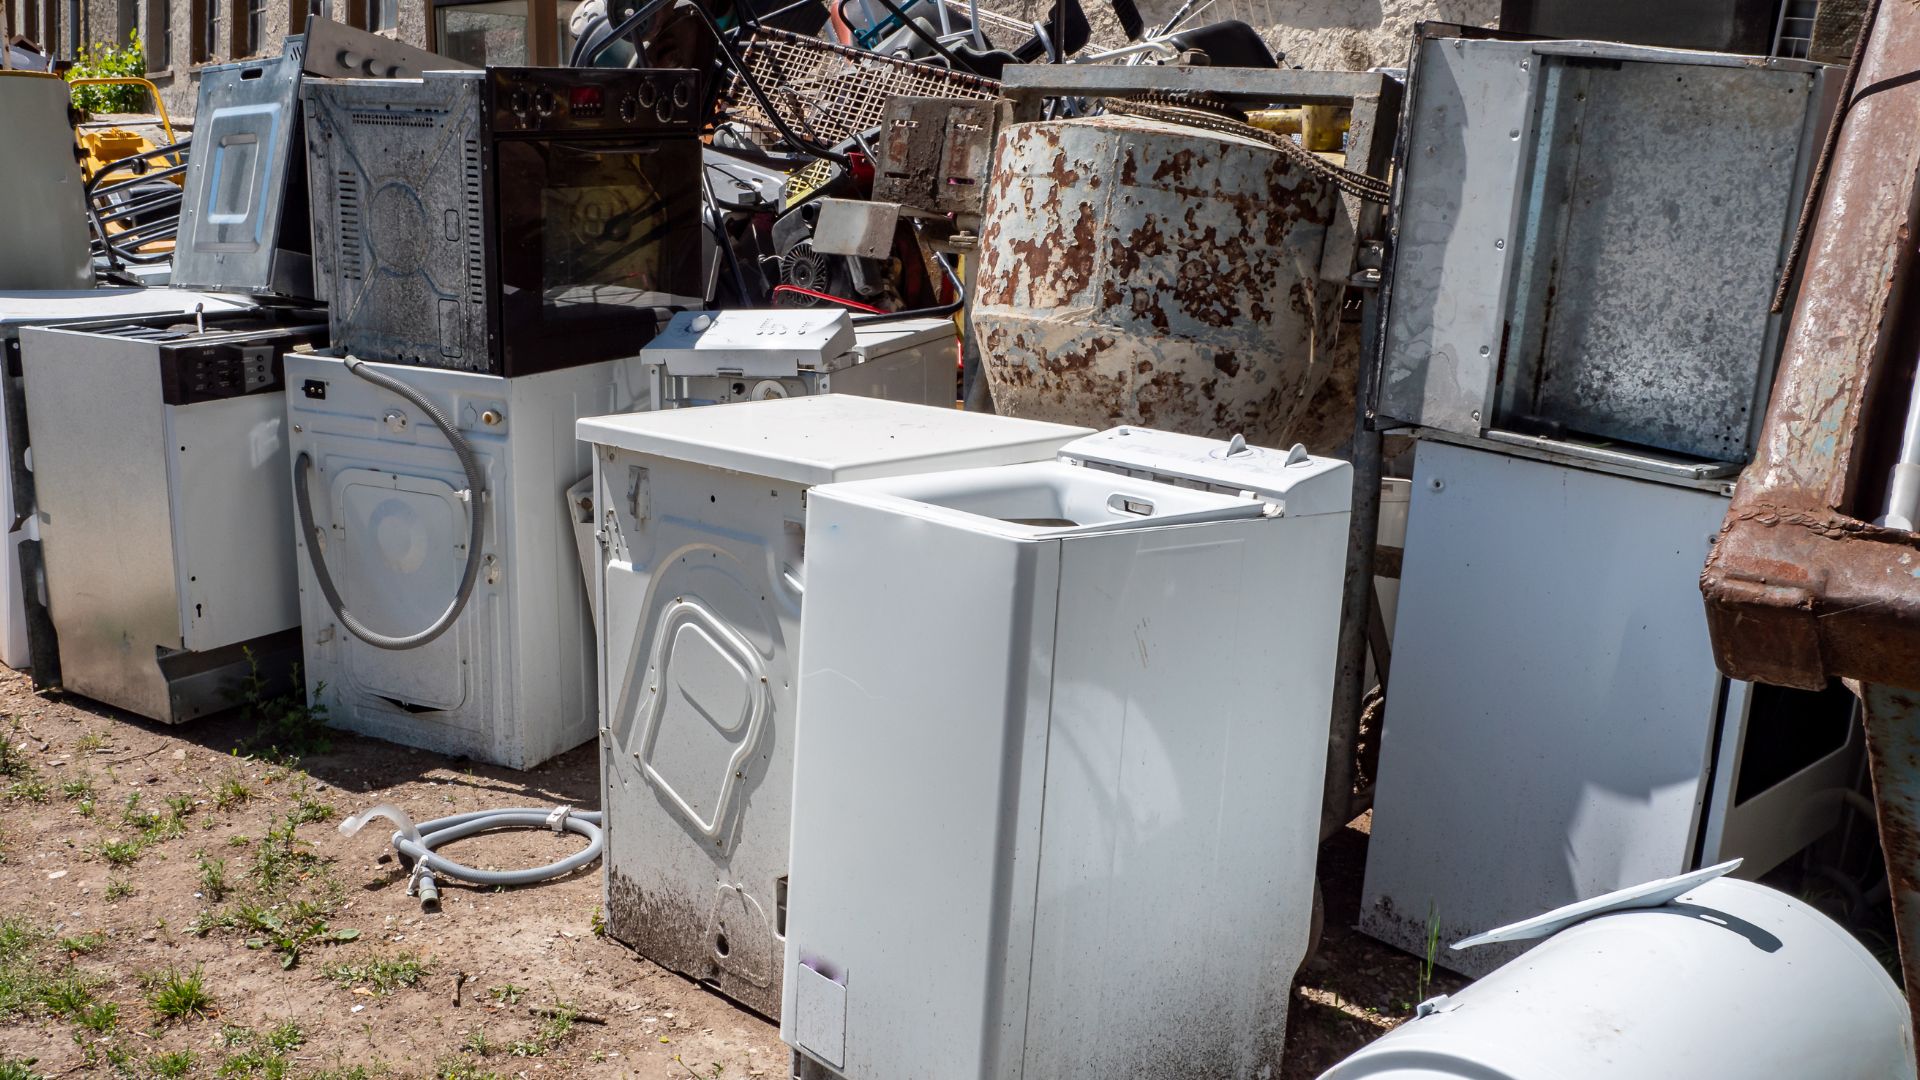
(31, 789)
(90, 742)
(101, 1017)
(213, 878)
(383, 976)
(308, 811)
(82, 944)
(1425, 982)
(80, 787)
(598, 923)
(478, 1044)
(13, 761)
(85, 808)
(21, 979)
(281, 859)
(66, 996)
(179, 995)
(451, 1068)
(261, 1055)
(170, 1066)
(122, 852)
(118, 888)
(288, 931)
(506, 995)
(284, 724)
(552, 1033)
(350, 1072)
(19, 1069)
(232, 792)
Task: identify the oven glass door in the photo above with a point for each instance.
(596, 237)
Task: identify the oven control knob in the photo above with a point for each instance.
(682, 94)
(645, 93)
(629, 109)
(520, 102)
(664, 111)
(544, 102)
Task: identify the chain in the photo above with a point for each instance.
(1359, 185)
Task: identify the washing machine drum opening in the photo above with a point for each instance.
(399, 546)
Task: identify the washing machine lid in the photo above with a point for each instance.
(751, 343)
(829, 437)
(1306, 484)
(884, 339)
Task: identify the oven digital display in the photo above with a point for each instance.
(586, 101)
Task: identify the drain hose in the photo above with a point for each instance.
(476, 498)
(416, 843)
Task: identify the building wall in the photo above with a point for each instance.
(183, 36)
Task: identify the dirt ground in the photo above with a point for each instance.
(133, 856)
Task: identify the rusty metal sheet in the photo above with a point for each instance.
(935, 152)
(1140, 272)
(1800, 587)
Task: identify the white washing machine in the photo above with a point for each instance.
(700, 577)
(511, 679)
(714, 357)
(1061, 742)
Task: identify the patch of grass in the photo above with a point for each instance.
(13, 760)
(478, 1043)
(454, 1068)
(232, 792)
(80, 787)
(508, 994)
(383, 976)
(22, 980)
(19, 1069)
(179, 995)
(90, 742)
(85, 808)
(349, 1072)
(553, 1031)
(598, 923)
(260, 1055)
(307, 811)
(122, 852)
(118, 888)
(171, 1066)
(290, 930)
(100, 1018)
(286, 1038)
(30, 788)
(213, 878)
(82, 944)
(66, 996)
(281, 859)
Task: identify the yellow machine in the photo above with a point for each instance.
(101, 146)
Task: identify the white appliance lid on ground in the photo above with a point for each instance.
(827, 437)
(1304, 483)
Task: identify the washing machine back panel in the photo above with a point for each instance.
(400, 544)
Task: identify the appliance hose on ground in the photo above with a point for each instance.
(416, 843)
(476, 495)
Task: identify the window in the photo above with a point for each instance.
(206, 30)
(502, 32)
(256, 26)
(385, 14)
(156, 36)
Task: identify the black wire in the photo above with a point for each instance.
(766, 104)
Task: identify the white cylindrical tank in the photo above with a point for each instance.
(43, 234)
(1729, 981)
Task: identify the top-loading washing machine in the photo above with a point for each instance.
(1061, 745)
(700, 578)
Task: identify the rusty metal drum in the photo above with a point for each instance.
(1135, 271)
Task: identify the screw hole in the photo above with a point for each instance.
(721, 946)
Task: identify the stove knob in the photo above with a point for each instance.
(664, 111)
(629, 109)
(544, 102)
(519, 101)
(645, 93)
(682, 93)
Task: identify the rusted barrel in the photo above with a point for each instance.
(1134, 271)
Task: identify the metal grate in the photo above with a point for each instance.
(829, 92)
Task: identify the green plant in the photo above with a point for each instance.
(19, 1069)
(598, 922)
(287, 933)
(477, 1043)
(122, 852)
(100, 1017)
(453, 1068)
(66, 996)
(284, 722)
(31, 788)
(553, 1031)
(1433, 952)
(13, 760)
(118, 888)
(232, 792)
(308, 811)
(169, 1066)
(347, 1072)
(90, 742)
(213, 878)
(383, 976)
(80, 787)
(83, 944)
(180, 995)
(506, 995)
(286, 1037)
(102, 59)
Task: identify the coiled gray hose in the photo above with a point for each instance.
(476, 517)
(416, 844)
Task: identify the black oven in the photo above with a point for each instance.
(509, 221)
